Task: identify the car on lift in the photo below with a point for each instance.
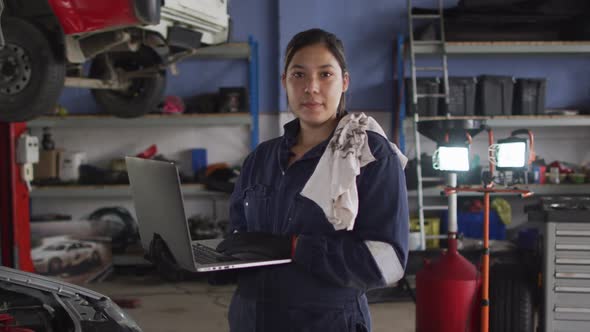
(30, 302)
(45, 44)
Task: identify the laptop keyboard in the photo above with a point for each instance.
(206, 255)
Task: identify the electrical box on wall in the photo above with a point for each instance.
(27, 149)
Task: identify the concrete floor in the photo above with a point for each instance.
(197, 306)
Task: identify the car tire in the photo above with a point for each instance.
(31, 74)
(144, 94)
(55, 266)
(121, 225)
(95, 258)
(511, 299)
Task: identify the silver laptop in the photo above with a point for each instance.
(159, 206)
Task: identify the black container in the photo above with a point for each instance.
(486, 4)
(494, 95)
(427, 171)
(426, 106)
(233, 99)
(529, 96)
(461, 96)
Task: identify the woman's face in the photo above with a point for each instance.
(314, 82)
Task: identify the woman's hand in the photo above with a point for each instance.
(258, 245)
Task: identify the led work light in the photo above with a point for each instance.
(451, 158)
(512, 153)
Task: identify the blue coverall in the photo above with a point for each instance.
(324, 288)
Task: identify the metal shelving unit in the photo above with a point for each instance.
(152, 120)
(506, 47)
(537, 189)
(520, 120)
(110, 191)
(229, 51)
(435, 47)
(494, 47)
(224, 51)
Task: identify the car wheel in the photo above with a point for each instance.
(120, 225)
(55, 266)
(144, 93)
(511, 299)
(31, 74)
(95, 258)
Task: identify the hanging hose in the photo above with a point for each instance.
(532, 155)
(490, 183)
(485, 266)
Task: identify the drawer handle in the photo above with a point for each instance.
(573, 233)
(572, 275)
(573, 310)
(572, 289)
(574, 261)
(572, 247)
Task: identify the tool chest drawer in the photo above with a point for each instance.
(567, 276)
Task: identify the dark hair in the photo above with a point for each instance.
(319, 36)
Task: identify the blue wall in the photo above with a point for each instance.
(368, 30)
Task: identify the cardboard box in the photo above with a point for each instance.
(47, 166)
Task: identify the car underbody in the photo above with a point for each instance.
(128, 55)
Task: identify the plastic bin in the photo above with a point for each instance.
(425, 106)
(529, 96)
(427, 171)
(471, 225)
(494, 95)
(431, 227)
(486, 4)
(461, 96)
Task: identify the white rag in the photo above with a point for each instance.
(347, 152)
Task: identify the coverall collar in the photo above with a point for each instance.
(292, 129)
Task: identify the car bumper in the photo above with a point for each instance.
(41, 266)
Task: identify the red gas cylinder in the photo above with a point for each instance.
(447, 294)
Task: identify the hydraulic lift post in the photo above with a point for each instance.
(15, 231)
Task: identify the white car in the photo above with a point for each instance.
(53, 258)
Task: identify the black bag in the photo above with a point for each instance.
(510, 20)
(479, 4)
(564, 7)
(203, 104)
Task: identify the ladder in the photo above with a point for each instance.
(440, 46)
(2, 41)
